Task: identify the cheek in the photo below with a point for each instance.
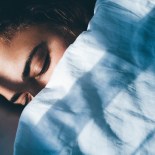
(56, 56)
(57, 49)
(6, 93)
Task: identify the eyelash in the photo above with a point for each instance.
(46, 63)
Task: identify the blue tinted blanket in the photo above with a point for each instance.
(101, 98)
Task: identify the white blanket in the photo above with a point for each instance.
(101, 98)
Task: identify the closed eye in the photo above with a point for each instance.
(38, 61)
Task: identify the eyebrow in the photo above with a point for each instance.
(26, 71)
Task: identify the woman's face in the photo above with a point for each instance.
(27, 62)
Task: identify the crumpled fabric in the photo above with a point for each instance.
(100, 99)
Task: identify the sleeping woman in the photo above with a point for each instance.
(33, 37)
(100, 99)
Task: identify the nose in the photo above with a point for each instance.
(9, 88)
(22, 98)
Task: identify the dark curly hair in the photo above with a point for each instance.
(66, 17)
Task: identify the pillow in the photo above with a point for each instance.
(100, 99)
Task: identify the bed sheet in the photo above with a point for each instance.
(101, 98)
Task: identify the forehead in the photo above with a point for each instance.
(24, 38)
(25, 32)
(13, 54)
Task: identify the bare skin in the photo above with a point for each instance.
(27, 62)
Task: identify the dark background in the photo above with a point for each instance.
(9, 116)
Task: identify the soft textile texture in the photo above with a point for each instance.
(101, 97)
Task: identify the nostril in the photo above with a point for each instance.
(29, 97)
(26, 98)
